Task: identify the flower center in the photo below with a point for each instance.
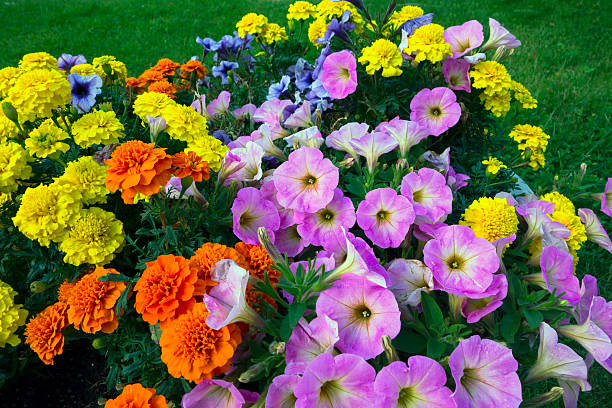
(345, 74)
(454, 80)
(407, 397)
(454, 262)
(417, 195)
(362, 312)
(310, 180)
(435, 111)
(330, 391)
(246, 218)
(382, 215)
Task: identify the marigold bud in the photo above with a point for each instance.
(98, 343)
(38, 287)
(10, 112)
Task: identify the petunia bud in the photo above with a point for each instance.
(264, 240)
(10, 112)
(38, 287)
(390, 351)
(252, 372)
(544, 399)
(156, 126)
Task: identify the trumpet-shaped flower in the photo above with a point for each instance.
(499, 37)
(341, 139)
(372, 146)
(213, 394)
(289, 241)
(251, 155)
(280, 393)
(595, 340)
(431, 198)
(84, 89)
(464, 38)
(66, 61)
(251, 211)
(475, 309)
(339, 75)
(606, 199)
(309, 340)
(557, 274)
(271, 111)
(594, 230)
(300, 118)
(220, 104)
(407, 279)
(310, 137)
(406, 133)
(437, 109)
(456, 74)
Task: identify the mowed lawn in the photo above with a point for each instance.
(565, 62)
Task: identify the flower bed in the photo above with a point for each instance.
(323, 214)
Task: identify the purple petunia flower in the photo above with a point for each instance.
(251, 155)
(309, 340)
(280, 393)
(464, 38)
(66, 61)
(499, 37)
(84, 89)
(271, 112)
(223, 69)
(251, 211)
(288, 241)
(213, 394)
(437, 109)
(300, 118)
(339, 75)
(431, 198)
(406, 133)
(475, 309)
(364, 310)
(456, 74)
(279, 89)
(385, 217)
(606, 198)
(594, 230)
(209, 44)
(220, 104)
(557, 274)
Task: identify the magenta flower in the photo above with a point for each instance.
(406, 133)
(461, 262)
(341, 139)
(456, 180)
(309, 340)
(301, 118)
(594, 230)
(475, 309)
(407, 279)
(246, 110)
(289, 241)
(557, 274)
(287, 216)
(306, 182)
(437, 109)
(498, 37)
(606, 199)
(372, 146)
(464, 38)
(485, 375)
(339, 75)
(251, 211)
(213, 394)
(456, 74)
(431, 198)
(419, 384)
(339, 212)
(385, 217)
(280, 393)
(219, 105)
(364, 311)
(344, 381)
(271, 112)
(231, 164)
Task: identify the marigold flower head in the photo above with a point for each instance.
(210, 149)
(44, 332)
(184, 123)
(272, 33)
(8, 129)
(251, 23)
(64, 292)
(497, 103)
(38, 60)
(46, 140)
(151, 104)
(565, 213)
(490, 218)
(84, 69)
(382, 54)
(532, 142)
(164, 87)
(166, 66)
(137, 396)
(190, 165)
(117, 68)
(38, 92)
(97, 127)
(401, 16)
(12, 316)
(428, 43)
(301, 10)
(562, 203)
(8, 76)
(92, 303)
(523, 95)
(137, 85)
(166, 289)
(193, 350)
(259, 261)
(14, 166)
(329, 9)
(494, 165)
(491, 76)
(151, 75)
(193, 66)
(206, 256)
(316, 30)
(138, 167)
(87, 178)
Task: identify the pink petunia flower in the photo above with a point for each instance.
(372, 146)
(456, 74)
(251, 156)
(606, 198)
(557, 274)
(407, 279)
(341, 139)
(594, 230)
(271, 112)
(301, 118)
(339, 75)
(475, 309)
(280, 393)
(251, 211)
(464, 38)
(289, 241)
(246, 110)
(213, 394)
(431, 198)
(498, 37)
(385, 217)
(309, 340)
(406, 133)
(219, 105)
(437, 109)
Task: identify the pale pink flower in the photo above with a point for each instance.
(339, 75)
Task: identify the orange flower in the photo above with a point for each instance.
(259, 262)
(137, 85)
(164, 87)
(205, 257)
(193, 66)
(44, 332)
(190, 165)
(151, 75)
(137, 396)
(92, 303)
(165, 289)
(65, 291)
(166, 66)
(137, 167)
(195, 351)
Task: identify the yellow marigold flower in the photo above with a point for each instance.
(301, 10)
(497, 103)
(151, 104)
(8, 76)
(36, 93)
(87, 178)
(329, 9)
(210, 149)
(4, 198)
(382, 54)
(14, 166)
(562, 203)
(97, 127)
(565, 213)
(12, 316)
(400, 17)
(45, 213)
(117, 68)
(251, 23)
(428, 43)
(8, 129)
(490, 218)
(532, 142)
(317, 30)
(38, 60)
(272, 33)
(93, 238)
(491, 76)
(184, 123)
(523, 95)
(83, 69)
(46, 140)
(494, 165)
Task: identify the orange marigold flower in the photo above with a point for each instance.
(65, 291)
(165, 289)
(151, 75)
(164, 87)
(195, 351)
(259, 262)
(166, 66)
(137, 84)
(92, 303)
(206, 256)
(138, 167)
(194, 66)
(44, 332)
(190, 165)
(137, 396)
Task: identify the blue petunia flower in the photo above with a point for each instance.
(279, 89)
(84, 89)
(223, 69)
(66, 61)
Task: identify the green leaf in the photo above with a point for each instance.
(432, 313)
(114, 277)
(296, 310)
(509, 325)
(534, 317)
(410, 342)
(435, 348)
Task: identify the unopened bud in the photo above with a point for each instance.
(583, 169)
(155, 332)
(119, 387)
(544, 399)
(277, 347)
(10, 112)
(38, 287)
(401, 164)
(106, 107)
(264, 240)
(347, 162)
(390, 351)
(252, 373)
(98, 343)
(156, 126)
(108, 70)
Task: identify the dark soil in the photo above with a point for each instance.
(75, 381)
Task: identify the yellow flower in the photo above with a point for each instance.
(272, 33)
(14, 166)
(8, 129)
(532, 142)
(329, 9)
(565, 213)
(11, 316)
(400, 17)
(428, 43)
(184, 123)
(523, 95)
(117, 68)
(46, 212)
(382, 54)
(494, 165)
(151, 104)
(97, 127)
(562, 203)
(8, 76)
(251, 23)
(497, 103)
(4, 198)
(86, 178)
(317, 30)
(36, 93)
(490, 218)
(301, 10)
(491, 76)
(93, 238)
(83, 69)
(38, 60)
(210, 149)
(46, 140)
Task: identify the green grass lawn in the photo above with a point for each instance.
(564, 61)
